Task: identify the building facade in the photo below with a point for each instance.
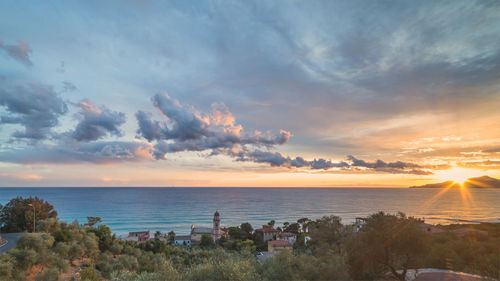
(288, 236)
(278, 245)
(268, 232)
(182, 240)
(216, 231)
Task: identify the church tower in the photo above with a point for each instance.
(216, 229)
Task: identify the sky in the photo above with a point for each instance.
(248, 93)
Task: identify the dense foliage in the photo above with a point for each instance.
(19, 213)
(385, 246)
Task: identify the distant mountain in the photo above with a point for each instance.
(479, 182)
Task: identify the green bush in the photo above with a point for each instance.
(48, 274)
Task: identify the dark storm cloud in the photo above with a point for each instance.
(36, 107)
(96, 122)
(20, 52)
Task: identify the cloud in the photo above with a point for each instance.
(379, 164)
(95, 152)
(187, 129)
(397, 167)
(20, 52)
(97, 122)
(276, 159)
(36, 107)
(68, 86)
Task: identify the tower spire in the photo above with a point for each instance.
(216, 228)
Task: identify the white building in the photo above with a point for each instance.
(182, 240)
(288, 236)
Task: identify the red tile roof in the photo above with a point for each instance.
(280, 243)
(267, 229)
(287, 234)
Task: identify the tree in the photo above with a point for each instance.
(171, 237)
(62, 235)
(116, 248)
(25, 258)
(103, 233)
(48, 274)
(271, 223)
(293, 228)
(158, 235)
(91, 221)
(327, 232)
(75, 251)
(222, 268)
(17, 215)
(304, 223)
(236, 233)
(247, 230)
(386, 243)
(207, 241)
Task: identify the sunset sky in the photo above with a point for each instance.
(248, 93)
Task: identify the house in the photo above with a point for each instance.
(139, 236)
(182, 240)
(278, 245)
(358, 224)
(288, 236)
(269, 233)
(198, 232)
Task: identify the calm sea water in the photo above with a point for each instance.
(165, 209)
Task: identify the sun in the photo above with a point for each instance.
(458, 175)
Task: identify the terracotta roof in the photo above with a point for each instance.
(267, 229)
(280, 243)
(287, 234)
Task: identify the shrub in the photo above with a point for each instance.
(48, 274)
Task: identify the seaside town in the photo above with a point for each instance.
(275, 239)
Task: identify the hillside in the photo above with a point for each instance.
(479, 182)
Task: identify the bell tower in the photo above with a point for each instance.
(216, 229)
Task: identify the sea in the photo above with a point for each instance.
(165, 209)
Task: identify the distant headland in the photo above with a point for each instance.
(479, 182)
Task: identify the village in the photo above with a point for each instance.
(275, 238)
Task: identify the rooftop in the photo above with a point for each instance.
(267, 229)
(279, 243)
(182, 237)
(287, 234)
(201, 230)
